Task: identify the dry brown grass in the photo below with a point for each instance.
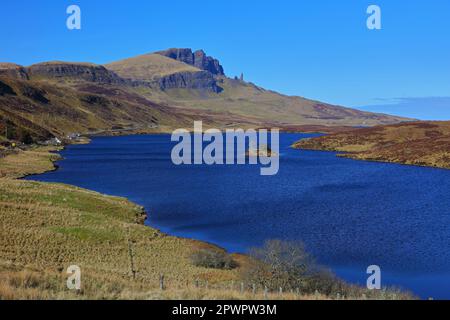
(28, 283)
(45, 228)
(48, 227)
(149, 67)
(416, 143)
(33, 161)
(241, 103)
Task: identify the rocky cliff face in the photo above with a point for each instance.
(183, 55)
(75, 71)
(202, 61)
(13, 71)
(197, 59)
(201, 80)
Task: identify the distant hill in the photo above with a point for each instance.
(152, 92)
(58, 107)
(416, 143)
(242, 99)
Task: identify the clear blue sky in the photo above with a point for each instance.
(318, 49)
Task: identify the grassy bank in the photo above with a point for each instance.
(424, 143)
(35, 160)
(45, 228)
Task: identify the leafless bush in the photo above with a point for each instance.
(213, 259)
(286, 265)
(279, 264)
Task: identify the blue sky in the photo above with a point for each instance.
(319, 49)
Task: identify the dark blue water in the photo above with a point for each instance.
(350, 214)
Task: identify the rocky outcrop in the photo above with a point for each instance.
(74, 71)
(202, 61)
(201, 80)
(197, 59)
(183, 55)
(12, 70)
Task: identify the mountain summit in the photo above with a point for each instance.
(198, 59)
(195, 81)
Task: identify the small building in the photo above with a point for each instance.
(53, 142)
(73, 136)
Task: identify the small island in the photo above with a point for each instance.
(262, 151)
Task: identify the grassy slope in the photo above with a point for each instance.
(240, 102)
(33, 161)
(44, 228)
(418, 143)
(149, 67)
(249, 103)
(46, 107)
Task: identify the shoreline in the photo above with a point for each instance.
(326, 131)
(194, 244)
(420, 144)
(351, 156)
(145, 213)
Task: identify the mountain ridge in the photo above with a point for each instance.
(255, 100)
(152, 92)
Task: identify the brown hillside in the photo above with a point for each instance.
(416, 143)
(235, 97)
(151, 93)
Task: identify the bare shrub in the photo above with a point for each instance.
(213, 259)
(285, 264)
(279, 264)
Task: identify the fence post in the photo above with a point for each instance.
(207, 285)
(281, 291)
(254, 289)
(316, 294)
(242, 287)
(265, 293)
(161, 282)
